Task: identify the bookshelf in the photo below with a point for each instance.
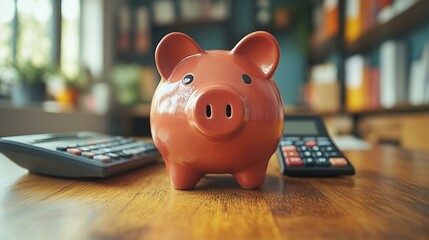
(367, 44)
(403, 23)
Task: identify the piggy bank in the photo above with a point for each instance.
(217, 111)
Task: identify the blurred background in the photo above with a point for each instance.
(68, 65)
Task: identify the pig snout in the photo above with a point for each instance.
(218, 111)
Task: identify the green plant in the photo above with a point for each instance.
(80, 81)
(30, 73)
(125, 79)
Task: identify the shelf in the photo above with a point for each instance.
(308, 111)
(50, 107)
(378, 111)
(181, 24)
(411, 18)
(395, 110)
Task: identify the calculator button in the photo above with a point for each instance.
(322, 162)
(317, 154)
(125, 154)
(294, 161)
(329, 148)
(335, 154)
(338, 162)
(85, 149)
(103, 158)
(284, 143)
(303, 148)
(74, 151)
(289, 148)
(290, 153)
(61, 148)
(315, 148)
(309, 162)
(92, 147)
(332, 154)
(310, 143)
(129, 151)
(101, 145)
(105, 150)
(135, 151)
(88, 154)
(307, 153)
(113, 156)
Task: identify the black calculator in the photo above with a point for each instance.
(306, 150)
(77, 154)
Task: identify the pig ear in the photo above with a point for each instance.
(172, 49)
(262, 49)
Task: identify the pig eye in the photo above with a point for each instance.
(188, 79)
(246, 79)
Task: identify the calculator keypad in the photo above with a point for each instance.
(311, 152)
(109, 149)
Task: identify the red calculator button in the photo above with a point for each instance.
(294, 161)
(338, 162)
(74, 151)
(290, 154)
(310, 143)
(289, 148)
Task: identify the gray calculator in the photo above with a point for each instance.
(77, 154)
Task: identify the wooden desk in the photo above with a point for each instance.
(388, 198)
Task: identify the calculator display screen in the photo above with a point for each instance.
(300, 128)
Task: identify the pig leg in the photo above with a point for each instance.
(182, 177)
(252, 177)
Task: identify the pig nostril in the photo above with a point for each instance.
(208, 111)
(228, 111)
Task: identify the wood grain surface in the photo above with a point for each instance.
(388, 198)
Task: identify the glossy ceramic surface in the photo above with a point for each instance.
(217, 111)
